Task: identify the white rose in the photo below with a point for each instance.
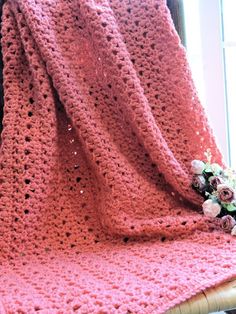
(216, 169)
(197, 166)
(211, 209)
(233, 231)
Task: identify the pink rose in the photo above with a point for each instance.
(215, 181)
(199, 182)
(211, 209)
(227, 223)
(197, 166)
(225, 193)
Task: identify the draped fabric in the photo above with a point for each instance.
(1, 68)
(101, 122)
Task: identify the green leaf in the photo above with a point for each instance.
(212, 197)
(230, 207)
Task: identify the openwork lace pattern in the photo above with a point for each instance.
(101, 122)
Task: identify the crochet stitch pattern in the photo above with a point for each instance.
(101, 122)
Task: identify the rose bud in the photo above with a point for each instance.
(199, 182)
(211, 209)
(215, 181)
(197, 166)
(225, 193)
(227, 223)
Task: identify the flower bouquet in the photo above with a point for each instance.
(218, 187)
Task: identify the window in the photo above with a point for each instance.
(210, 31)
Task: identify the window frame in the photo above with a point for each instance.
(211, 52)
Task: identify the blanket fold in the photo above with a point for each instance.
(101, 122)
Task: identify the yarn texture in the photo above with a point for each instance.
(101, 122)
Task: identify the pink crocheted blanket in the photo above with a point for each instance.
(101, 122)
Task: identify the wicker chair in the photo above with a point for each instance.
(220, 298)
